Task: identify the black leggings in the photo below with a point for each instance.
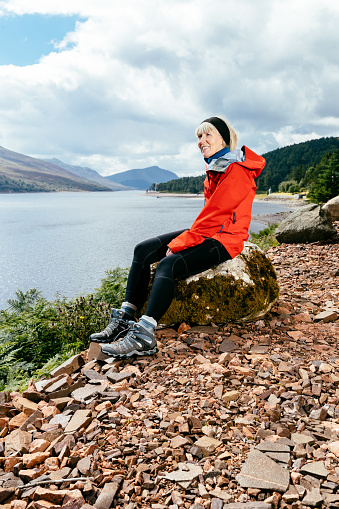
(179, 265)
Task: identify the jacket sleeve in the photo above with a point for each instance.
(217, 212)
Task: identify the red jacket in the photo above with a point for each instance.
(226, 215)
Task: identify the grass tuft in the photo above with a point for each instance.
(265, 238)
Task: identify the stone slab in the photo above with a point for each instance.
(267, 446)
(17, 442)
(316, 469)
(106, 497)
(186, 473)
(80, 419)
(207, 444)
(70, 366)
(260, 471)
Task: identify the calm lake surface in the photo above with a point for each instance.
(62, 243)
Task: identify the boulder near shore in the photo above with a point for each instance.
(243, 415)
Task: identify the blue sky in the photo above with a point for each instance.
(25, 39)
(118, 85)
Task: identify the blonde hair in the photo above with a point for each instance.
(206, 127)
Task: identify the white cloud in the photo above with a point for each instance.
(127, 88)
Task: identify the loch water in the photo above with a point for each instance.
(62, 243)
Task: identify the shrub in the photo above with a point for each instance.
(36, 335)
(265, 238)
(288, 186)
(112, 289)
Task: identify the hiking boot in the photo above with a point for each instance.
(138, 341)
(118, 325)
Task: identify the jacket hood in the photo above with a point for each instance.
(244, 156)
(253, 162)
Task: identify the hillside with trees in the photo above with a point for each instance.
(310, 166)
(193, 185)
(292, 162)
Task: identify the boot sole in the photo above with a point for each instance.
(133, 353)
(103, 340)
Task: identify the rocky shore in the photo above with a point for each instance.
(239, 415)
(274, 219)
(269, 219)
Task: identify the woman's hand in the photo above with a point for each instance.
(169, 252)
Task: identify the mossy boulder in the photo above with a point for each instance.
(244, 288)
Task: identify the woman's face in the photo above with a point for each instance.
(210, 143)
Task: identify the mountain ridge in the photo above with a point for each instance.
(88, 173)
(21, 173)
(142, 178)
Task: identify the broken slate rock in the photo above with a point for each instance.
(70, 366)
(282, 457)
(227, 345)
(301, 438)
(221, 494)
(262, 472)
(186, 473)
(84, 465)
(207, 444)
(118, 377)
(267, 446)
(179, 441)
(17, 442)
(313, 498)
(326, 316)
(91, 374)
(80, 419)
(83, 394)
(316, 468)
(248, 505)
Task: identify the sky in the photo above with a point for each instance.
(117, 85)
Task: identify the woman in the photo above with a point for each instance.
(217, 235)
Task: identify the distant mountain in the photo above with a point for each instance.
(142, 178)
(87, 173)
(23, 174)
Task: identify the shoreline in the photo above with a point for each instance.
(268, 219)
(275, 198)
(156, 194)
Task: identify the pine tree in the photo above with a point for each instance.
(325, 178)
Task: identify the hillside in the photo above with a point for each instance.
(293, 161)
(142, 178)
(22, 174)
(87, 173)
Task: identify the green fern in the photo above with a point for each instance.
(37, 335)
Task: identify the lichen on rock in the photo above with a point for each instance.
(240, 289)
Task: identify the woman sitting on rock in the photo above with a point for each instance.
(217, 235)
